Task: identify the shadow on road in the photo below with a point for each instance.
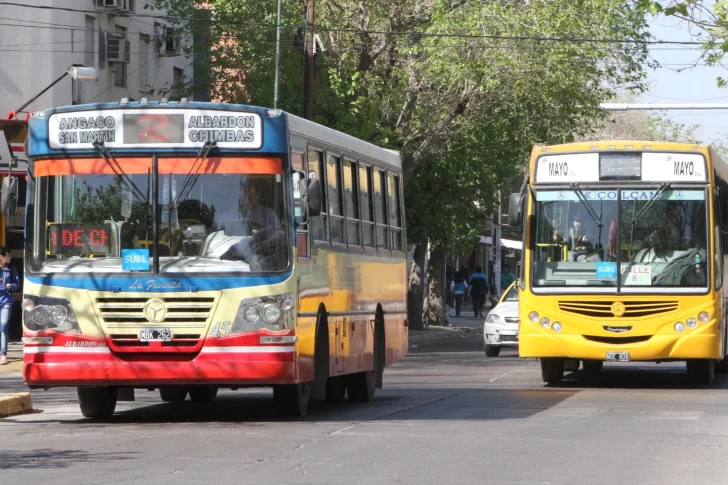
(647, 376)
(54, 458)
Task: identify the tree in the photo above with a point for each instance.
(462, 89)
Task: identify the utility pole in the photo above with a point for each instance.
(278, 55)
(309, 66)
(496, 240)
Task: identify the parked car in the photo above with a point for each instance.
(501, 324)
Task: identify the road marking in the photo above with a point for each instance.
(506, 373)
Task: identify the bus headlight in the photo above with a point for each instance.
(270, 312)
(545, 322)
(48, 313)
(556, 326)
(703, 317)
(679, 326)
(533, 316)
(691, 322)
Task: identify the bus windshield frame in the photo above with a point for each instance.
(227, 214)
(595, 242)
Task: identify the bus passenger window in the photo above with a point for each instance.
(365, 195)
(380, 208)
(395, 212)
(333, 184)
(352, 206)
(315, 170)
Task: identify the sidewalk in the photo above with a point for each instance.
(15, 359)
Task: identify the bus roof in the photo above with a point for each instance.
(605, 145)
(271, 136)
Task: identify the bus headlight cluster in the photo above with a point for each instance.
(692, 322)
(271, 312)
(47, 313)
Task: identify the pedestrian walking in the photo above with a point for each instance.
(458, 287)
(478, 289)
(10, 284)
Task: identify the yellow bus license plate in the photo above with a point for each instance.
(618, 356)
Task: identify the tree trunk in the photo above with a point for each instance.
(415, 289)
(435, 304)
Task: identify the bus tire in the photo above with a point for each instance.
(292, 399)
(363, 385)
(97, 402)
(592, 368)
(701, 371)
(721, 367)
(552, 370)
(203, 393)
(173, 394)
(492, 350)
(571, 365)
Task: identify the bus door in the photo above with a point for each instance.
(339, 344)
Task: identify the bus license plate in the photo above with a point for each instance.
(155, 334)
(618, 356)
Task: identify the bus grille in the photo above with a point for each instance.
(618, 340)
(603, 309)
(182, 311)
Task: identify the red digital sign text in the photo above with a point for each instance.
(67, 239)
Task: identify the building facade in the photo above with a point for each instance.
(135, 53)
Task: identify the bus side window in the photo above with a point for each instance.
(380, 208)
(351, 192)
(395, 212)
(365, 198)
(318, 225)
(333, 194)
(299, 176)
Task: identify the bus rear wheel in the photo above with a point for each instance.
(173, 394)
(701, 371)
(552, 370)
(97, 402)
(203, 393)
(292, 399)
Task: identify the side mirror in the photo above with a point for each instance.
(9, 196)
(515, 210)
(314, 198)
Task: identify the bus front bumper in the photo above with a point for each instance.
(50, 370)
(656, 347)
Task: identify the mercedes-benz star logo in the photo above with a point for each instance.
(155, 310)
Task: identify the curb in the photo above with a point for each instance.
(445, 333)
(15, 403)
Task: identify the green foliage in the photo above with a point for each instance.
(462, 89)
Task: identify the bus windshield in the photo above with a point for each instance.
(226, 215)
(627, 238)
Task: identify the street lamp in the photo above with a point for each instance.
(78, 72)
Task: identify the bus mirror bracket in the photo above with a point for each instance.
(9, 196)
(313, 198)
(515, 209)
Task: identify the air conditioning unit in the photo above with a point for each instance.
(117, 49)
(110, 4)
(115, 5)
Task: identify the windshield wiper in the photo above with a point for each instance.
(597, 219)
(194, 173)
(116, 167)
(636, 217)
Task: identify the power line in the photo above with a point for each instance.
(685, 100)
(385, 32)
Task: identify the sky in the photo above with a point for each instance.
(675, 82)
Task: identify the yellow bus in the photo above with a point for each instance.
(623, 257)
(190, 247)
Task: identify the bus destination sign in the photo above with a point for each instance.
(163, 128)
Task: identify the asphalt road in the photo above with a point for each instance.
(447, 415)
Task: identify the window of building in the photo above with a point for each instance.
(89, 46)
(333, 194)
(315, 170)
(351, 193)
(120, 68)
(380, 208)
(395, 212)
(365, 198)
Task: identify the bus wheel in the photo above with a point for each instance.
(335, 389)
(552, 370)
(97, 402)
(721, 367)
(492, 350)
(292, 399)
(701, 371)
(173, 394)
(593, 368)
(203, 393)
(571, 365)
(362, 386)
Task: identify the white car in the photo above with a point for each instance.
(501, 324)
